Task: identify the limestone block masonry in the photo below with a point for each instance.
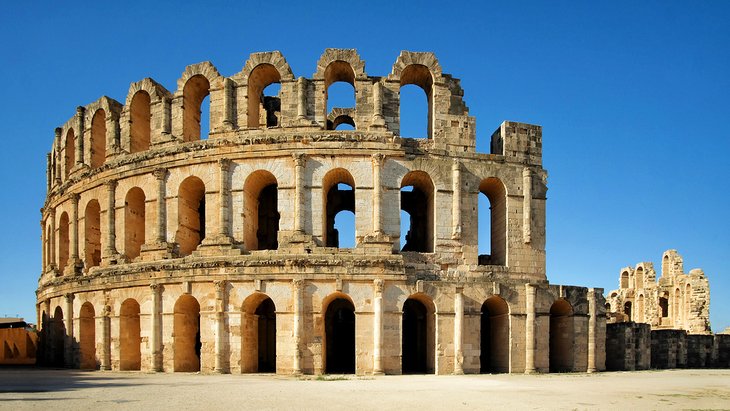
(166, 248)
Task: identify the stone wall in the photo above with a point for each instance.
(628, 346)
(17, 346)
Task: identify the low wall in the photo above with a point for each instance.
(628, 346)
(17, 346)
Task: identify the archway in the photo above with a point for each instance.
(338, 187)
(63, 242)
(493, 189)
(416, 199)
(87, 337)
(339, 328)
(627, 310)
(261, 211)
(134, 222)
(418, 336)
(130, 356)
(418, 75)
(187, 334)
(190, 215)
(98, 138)
(561, 336)
(58, 338)
(494, 350)
(259, 102)
(259, 334)
(140, 116)
(196, 89)
(92, 234)
(70, 152)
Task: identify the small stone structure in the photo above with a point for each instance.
(166, 249)
(677, 301)
(18, 342)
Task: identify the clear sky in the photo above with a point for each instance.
(633, 98)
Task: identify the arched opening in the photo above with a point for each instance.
(70, 152)
(640, 309)
(418, 336)
(92, 234)
(87, 337)
(186, 330)
(414, 116)
(261, 211)
(608, 307)
(639, 278)
(196, 89)
(134, 222)
(140, 115)
(338, 187)
(345, 226)
(494, 352)
(496, 193)
(418, 75)
(130, 356)
(63, 242)
(98, 138)
(259, 334)
(190, 215)
(339, 329)
(665, 265)
(663, 307)
(624, 279)
(264, 103)
(341, 122)
(58, 338)
(416, 199)
(627, 310)
(561, 336)
(676, 303)
(339, 78)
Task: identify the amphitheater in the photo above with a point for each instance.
(168, 249)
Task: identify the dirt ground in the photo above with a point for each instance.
(32, 388)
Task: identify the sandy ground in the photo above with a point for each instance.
(31, 388)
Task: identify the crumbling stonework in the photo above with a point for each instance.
(677, 301)
(168, 250)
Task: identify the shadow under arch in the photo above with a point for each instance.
(418, 335)
(258, 334)
(339, 334)
(494, 336)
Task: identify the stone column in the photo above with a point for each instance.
(377, 101)
(220, 327)
(161, 235)
(527, 206)
(74, 258)
(68, 360)
(156, 334)
(591, 330)
(57, 170)
(530, 329)
(49, 174)
(113, 134)
(227, 103)
(166, 115)
(378, 160)
(111, 250)
(299, 162)
(298, 312)
(301, 99)
(106, 338)
(80, 138)
(225, 194)
(456, 200)
(458, 332)
(378, 327)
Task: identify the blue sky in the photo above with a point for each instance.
(632, 97)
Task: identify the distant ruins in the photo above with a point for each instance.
(169, 249)
(677, 301)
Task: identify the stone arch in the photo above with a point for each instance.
(687, 303)
(676, 304)
(148, 94)
(561, 336)
(194, 85)
(336, 200)
(419, 204)
(58, 338)
(418, 334)
(134, 222)
(186, 329)
(640, 309)
(98, 138)
(339, 334)
(347, 56)
(258, 334)
(261, 77)
(494, 335)
(496, 192)
(663, 306)
(624, 282)
(421, 69)
(191, 215)
(340, 116)
(639, 277)
(261, 211)
(92, 234)
(130, 356)
(69, 152)
(627, 310)
(63, 241)
(87, 337)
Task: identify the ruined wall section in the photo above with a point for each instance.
(678, 300)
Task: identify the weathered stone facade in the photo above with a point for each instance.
(164, 251)
(677, 301)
